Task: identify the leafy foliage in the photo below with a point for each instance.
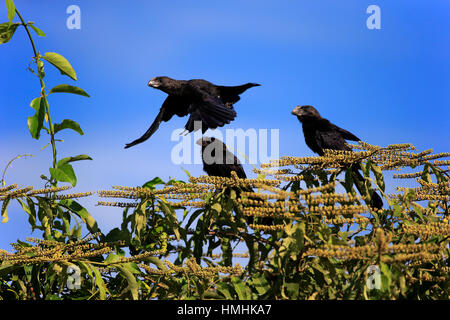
(198, 240)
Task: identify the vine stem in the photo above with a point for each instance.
(44, 96)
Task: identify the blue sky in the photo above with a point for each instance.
(386, 86)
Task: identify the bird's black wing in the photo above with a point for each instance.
(344, 133)
(330, 136)
(326, 136)
(236, 166)
(230, 94)
(209, 110)
(171, 106)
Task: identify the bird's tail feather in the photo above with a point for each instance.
(376, 200)
(237, 90)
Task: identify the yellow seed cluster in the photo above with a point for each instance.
(7, 188)
(380, 248)
(72, 195)
(191, 267)
(48, 190)
(407, 175)
(388, 158)
(269, 212)
(441, 162)
(54, 251)
(117, 204)
(335, 210)
(188, 203)
(328, 198)
(342, 220)
(325, 187)
(184, 196)
(343, 252)
(117, 194)
(428, 230)
(15, 193)
(273, 172)
(11, 192)
(266, 228)
(427, 277)
(142, 256)
(289, 179)
(234, 255)
(232, 182)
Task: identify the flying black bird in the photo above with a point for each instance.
(222, 163)
(204, 101)
(321, 134)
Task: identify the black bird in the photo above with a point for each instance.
(222, 164)
(204, 101)
(321, 134)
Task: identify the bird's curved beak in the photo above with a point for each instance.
(204, 141)
(297, 111)
(199, 141)
(153, 83)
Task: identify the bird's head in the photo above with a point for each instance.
(159, 82)
(205, 141)
(305, 112)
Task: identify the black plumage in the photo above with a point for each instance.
(321, 134)
(220, 162)
(208, 103)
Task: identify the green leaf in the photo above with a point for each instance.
(132, 283)
(99, 282)
(378, 176)
(224, 289)
(73, 159)
(36, 122)
(293, 289)
(11, 10)
(157, 262)
(81, 212)
(40, 68)
(386, 277)
(4, 213)
(68, 124)
(64, 173)
(194, 216)
(38, 31)
(117, 234)
(171, 215)
(185, 171)
(61, 64)
(152, 183)
(29, 209)
(239, 287)
(35, 103)
(216, 206)
(67, 88)
(7, 31)
(348, 182)
(260, 284)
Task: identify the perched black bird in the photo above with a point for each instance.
(321, 134)
(204, 101)
(222, 163)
